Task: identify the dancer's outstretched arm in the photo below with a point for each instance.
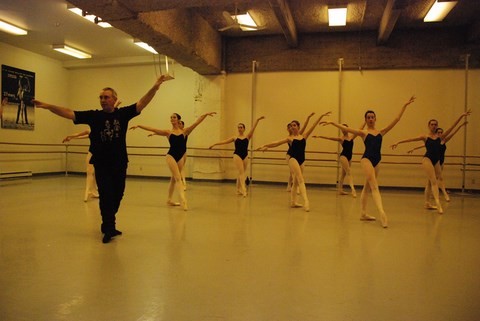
(309, 131)
(57, 110)
(336, 139)
(357, 132)
(449, 130)
(147, 98)
(79, 135)
(250, 133)
(302, 129)
(273, 144)
(397, 119)
(447, 138)
(223, 142)
(414, 139)
(189, 129)
(155, 131)
(414, 149)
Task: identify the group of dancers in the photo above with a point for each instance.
(105, 128)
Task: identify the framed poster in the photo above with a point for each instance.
(18, 87)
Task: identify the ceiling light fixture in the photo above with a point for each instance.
(71, 51)
(439, 10)
(247, 20)
(337, 17)
(90, 17)
(7, 27)
(145, 46)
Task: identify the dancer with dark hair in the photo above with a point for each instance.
(431, 159)
(443, 149)
(296, 152)
(345, 159)
(177, 137)
(372, 137)
(108, 129)
(240, 154)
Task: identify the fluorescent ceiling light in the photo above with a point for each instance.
(71, 51)
(145, 46)
(439, 11)
(7, 27)
(337, 17)
(245, 19)
(90, 17)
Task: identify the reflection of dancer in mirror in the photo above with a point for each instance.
(240, 154)
(289, 130)
(443, 149)
(345, 159)
(23, 89)
(178, 147)
(431, 159)
(109, 147)
(91, 185)
(372, 138)
(296, 151)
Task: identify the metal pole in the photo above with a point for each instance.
(340, 69)
(467, 57)
(66, 160)
(253, 109)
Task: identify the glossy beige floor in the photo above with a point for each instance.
(230, 258)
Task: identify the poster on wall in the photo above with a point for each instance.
(18, 87)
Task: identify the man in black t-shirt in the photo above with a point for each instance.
(108, 128)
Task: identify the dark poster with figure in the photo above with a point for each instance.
(18, 86)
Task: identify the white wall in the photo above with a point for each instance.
(281, 97)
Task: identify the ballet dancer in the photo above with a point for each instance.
(371, 158)
(240, 154)
(431, 159)
(175, 155)
(109, 147)
(287, 157)
(345, 159)
(296, 151)
(90, 185)
(443, 149)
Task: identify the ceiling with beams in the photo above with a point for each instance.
(188, 30)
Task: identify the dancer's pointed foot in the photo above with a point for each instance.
(342, 192)
(184, 205)
(306, 206)
(294, 204)
(440, 210)
(384, 220)
(366, 217)
(447, 198)
(172, 203)
(354, 194)
(429, 206)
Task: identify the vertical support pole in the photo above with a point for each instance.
(66, 160)
(253, 111)
(340, 79)
(467, 57)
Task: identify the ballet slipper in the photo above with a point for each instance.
(294, 205)
(366, 217)
(306, 207)
(342, 192)
(171, 203)
(447, 198)
(440, 210)
(184, 205)
(354, 194)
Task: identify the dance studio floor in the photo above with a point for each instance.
(234, 258)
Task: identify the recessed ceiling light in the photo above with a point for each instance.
(439, 11)
(337, 17)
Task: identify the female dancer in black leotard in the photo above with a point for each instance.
(297, 143)
(431, 160)
(371, 158)
(175, 155)
(345, 159)
(240, 154)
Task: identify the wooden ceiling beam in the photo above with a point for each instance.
(284, 16)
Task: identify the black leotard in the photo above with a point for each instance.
(241, 147)
(347, 150)
(297, 150)
(373, 145)
(443, 149)
(433, 149)
(178, 146)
